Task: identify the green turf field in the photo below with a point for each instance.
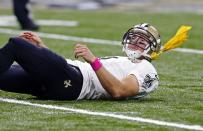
(178, 99)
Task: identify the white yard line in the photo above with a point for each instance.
(94, 113)
(6, 20)
(192, 51)
(87, 40)
(62, 37)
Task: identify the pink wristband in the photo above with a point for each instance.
(96, 64)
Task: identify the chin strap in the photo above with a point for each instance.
(176, 41)
(135, 55)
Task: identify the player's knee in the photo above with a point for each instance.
(17, 42)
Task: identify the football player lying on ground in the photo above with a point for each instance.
(44, 74)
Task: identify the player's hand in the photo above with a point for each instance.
(32, 38)
(84, 52)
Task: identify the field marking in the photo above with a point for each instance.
(88, 40)
(192, 51)
(7, 20)
(103, 114)
(63, 37)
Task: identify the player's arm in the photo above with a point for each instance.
(116, 88)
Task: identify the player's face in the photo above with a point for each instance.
(138, 42)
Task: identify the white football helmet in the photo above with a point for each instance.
(145, 37)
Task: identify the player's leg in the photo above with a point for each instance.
(22, 13)
(44, 65)
(15, 79)
(6, 59)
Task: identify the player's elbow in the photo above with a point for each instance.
(118, 94)
(123, 92)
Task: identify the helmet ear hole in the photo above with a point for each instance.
(152, 48)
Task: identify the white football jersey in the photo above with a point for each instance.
(120, 67)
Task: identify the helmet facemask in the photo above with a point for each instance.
(139, 43)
